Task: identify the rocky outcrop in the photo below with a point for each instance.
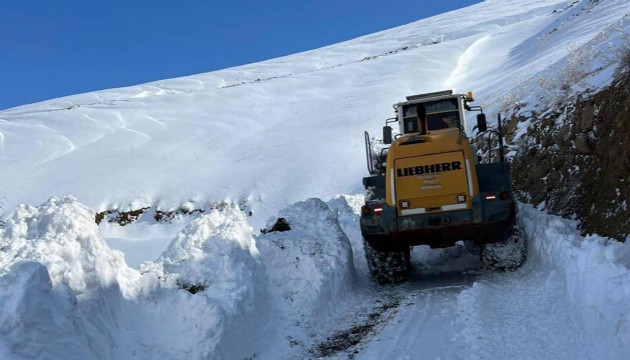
(575, 160)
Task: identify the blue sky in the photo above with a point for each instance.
(54, 48)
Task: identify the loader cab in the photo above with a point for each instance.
(429, 113)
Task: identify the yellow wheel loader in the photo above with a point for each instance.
(427, 186)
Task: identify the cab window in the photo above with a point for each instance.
(443, 114)
(440, 114)
(443, 120)
(411, 125)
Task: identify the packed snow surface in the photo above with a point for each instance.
(282, 138)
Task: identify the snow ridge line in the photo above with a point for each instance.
(367, 58)
(163, 91)
(225, 86)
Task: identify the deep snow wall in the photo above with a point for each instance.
(596, 271)
(66, 294)
(218, 291)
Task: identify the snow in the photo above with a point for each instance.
(284, 137)
(63, 287)
(565, 303)
(61, 282)
(223, 135)
(597, 281)
(314, 259)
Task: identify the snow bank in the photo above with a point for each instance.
(33, 314)
(211, 294)
(597, 276)
(61, 281)
(569, 300)
(65, 294)
(310, 266)
(215, 256)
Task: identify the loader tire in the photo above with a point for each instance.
(508, 254)
(388, 266)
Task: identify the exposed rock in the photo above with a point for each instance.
(121, 217)
(582, 144)
(587, 118)
(168, 216)
(154, 213)
(576, 160)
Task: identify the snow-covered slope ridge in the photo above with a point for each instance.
(281, 130)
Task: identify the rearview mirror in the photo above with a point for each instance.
(387, 135)
(482, 125)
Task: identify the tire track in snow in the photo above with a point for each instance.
(346, 340)
(421, 308)
(480, 315)
(423, 327)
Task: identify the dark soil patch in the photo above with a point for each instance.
(193, 288)
(281, 225)
(122, 218)
(345, 340)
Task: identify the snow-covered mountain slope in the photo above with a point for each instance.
(285, 129)
(277, 132)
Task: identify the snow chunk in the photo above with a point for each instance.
(310, 267)
(66, 285)
(62, 235)
(348, 208)
(215, 257)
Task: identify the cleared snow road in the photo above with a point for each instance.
(452, 309)
(520, 315)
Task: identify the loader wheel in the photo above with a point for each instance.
(508, 254)
(388, 267)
